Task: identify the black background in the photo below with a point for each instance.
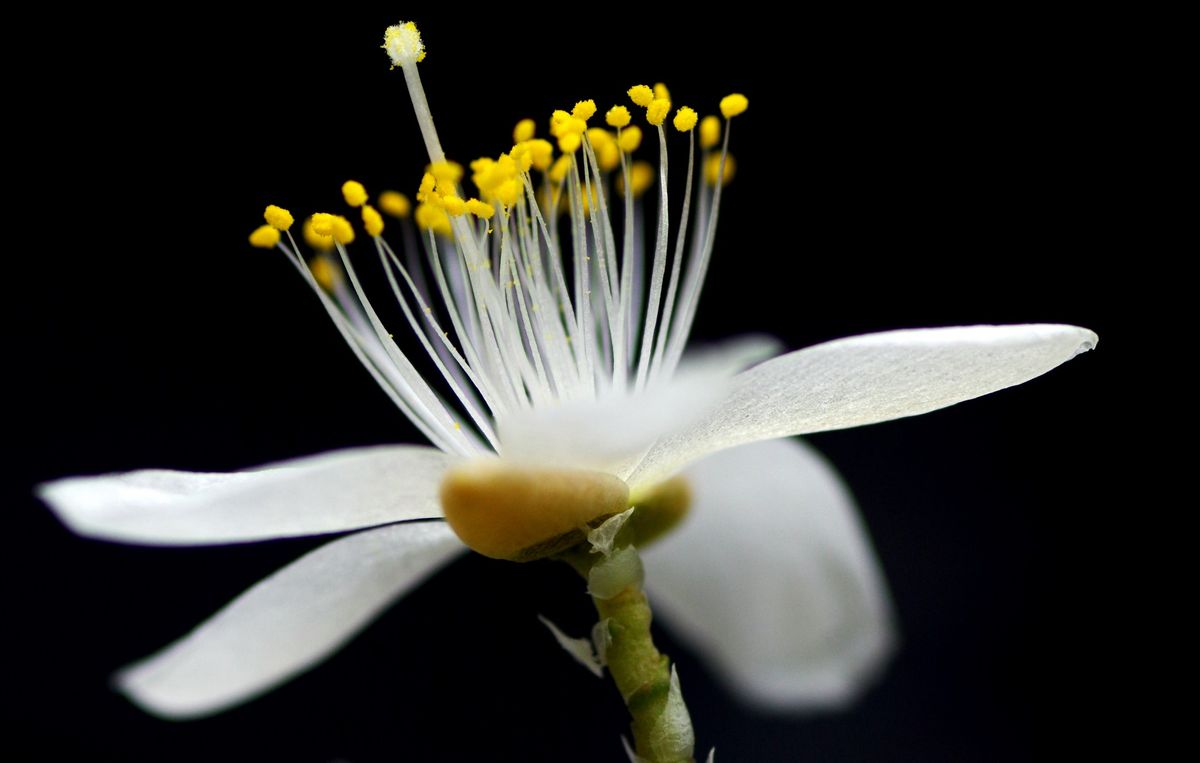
(893, 172)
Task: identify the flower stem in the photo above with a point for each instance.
(662, 730)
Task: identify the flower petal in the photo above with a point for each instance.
(289, 621)
(331, 492)
(864, 380)
(611, 432)
(772, 577)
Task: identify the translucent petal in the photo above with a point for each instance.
(772, 577)
(289, 621)
(331, 492)
(864, 380)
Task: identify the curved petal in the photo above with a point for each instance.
(864, 380)
(332, 492)
(772, 577)
(289, 621)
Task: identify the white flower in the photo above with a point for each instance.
(564, 357)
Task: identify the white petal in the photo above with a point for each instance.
(773, 578)
(332, 492)
(864, 380)
(289, 621)
(613, 431)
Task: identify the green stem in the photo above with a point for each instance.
(641, 672)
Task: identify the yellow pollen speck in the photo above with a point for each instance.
(395, 204)
(734, 104)
(480, 209)
(354, 193)
(685, 119)
(713, 166)
(641, 177)
(454, 206)
(617, 116)
(641, 95)
(569, 142)
(324, 272)
(710, 131)
(278, 217)
(372, 220)
(314, 239)
(524, 130)
(630, 139)
(660, 91)
(584, 110)
(264, 237)
(656, 112)
(403, 44)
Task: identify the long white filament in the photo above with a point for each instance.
(522, 334)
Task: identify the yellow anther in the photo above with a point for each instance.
(372, 220)
(713, 166)
(660, 91)
(324, 272)
(617, 116)
(584, 110)
(429, 217)
(641, 95)
(403, 44)
(508, 192)
(524, 130)
(608, 156)
(568, 142)
(454, 206)
(734, 104)
(395, 204)
(685, 119)
(446, 171)
(542, 153)
(264, 237)
(557, 119)
(325, 224)
(599, 136)
(427, 188)
(520, 154)
(480, 208)
(710, 132)
(278, 217)
(314, 239)
(524, 513)
(559, 170)
(354, 193)
(641, 177)
(630, 138)
(656, 112)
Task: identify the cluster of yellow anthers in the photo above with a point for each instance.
(500, 181)
(515, 310)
